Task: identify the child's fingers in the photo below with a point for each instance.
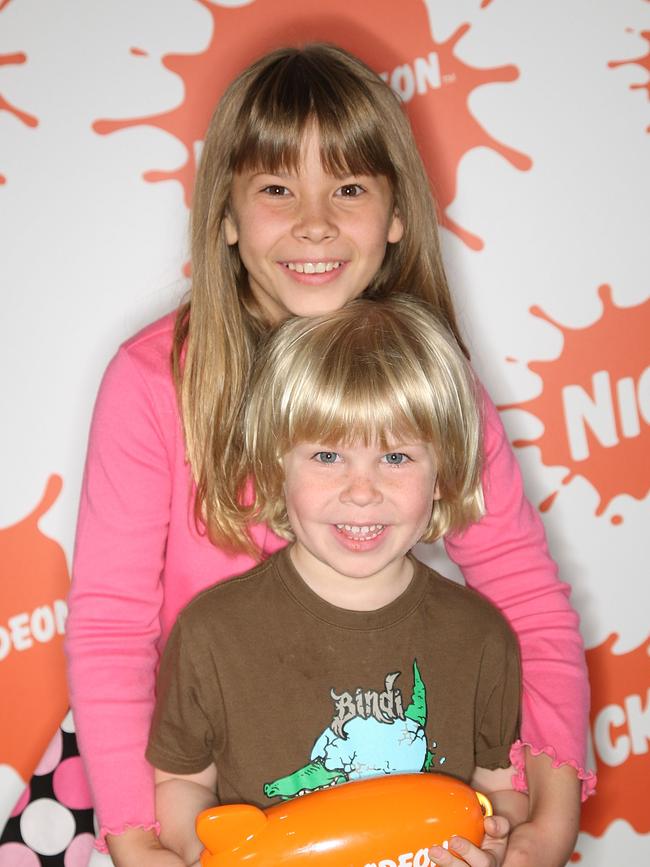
(491, 854)
(442, 857)
(467, 853)
(497, 827)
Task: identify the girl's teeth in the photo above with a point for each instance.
(312, 267)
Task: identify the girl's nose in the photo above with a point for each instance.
(361, 490)
(315, 222)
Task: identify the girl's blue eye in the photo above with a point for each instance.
(396, 459)
(326, 457)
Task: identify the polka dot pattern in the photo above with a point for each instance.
(52, 755)
(79, 851)
(52, 824)
(18, 855)
(70, 786)
(47, 827)
(21, 803)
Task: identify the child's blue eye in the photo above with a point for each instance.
(396, 459)
(326, 457)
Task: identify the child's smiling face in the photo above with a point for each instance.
(356, 511)
(310, 241)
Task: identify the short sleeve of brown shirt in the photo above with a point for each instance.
(285, 692)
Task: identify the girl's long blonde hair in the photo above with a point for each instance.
(377, 373)
(260, 122)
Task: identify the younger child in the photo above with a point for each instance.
(341, 656)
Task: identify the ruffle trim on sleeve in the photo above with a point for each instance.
(518, 759)
(100, 842)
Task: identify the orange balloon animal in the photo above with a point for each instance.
(379, 822)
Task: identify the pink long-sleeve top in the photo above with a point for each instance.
(139, 559)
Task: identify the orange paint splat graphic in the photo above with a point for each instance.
(620, 729)
(34, 583)
(595, 403)
(643, 61)
(393, 38)
(5, 105)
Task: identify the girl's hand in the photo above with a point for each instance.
(491, 853)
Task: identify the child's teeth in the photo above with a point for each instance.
(361, 529)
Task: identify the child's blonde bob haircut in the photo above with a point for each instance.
(376, 371)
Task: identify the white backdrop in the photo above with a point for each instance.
(545, 190)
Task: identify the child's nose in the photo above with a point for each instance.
(315, 221)
(361, 490)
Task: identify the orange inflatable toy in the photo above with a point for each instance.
(379, 822)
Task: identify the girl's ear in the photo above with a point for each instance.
(436, 491)
(232, 233)
(395, 229)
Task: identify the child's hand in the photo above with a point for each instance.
(491, 853)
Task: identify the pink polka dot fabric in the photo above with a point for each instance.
(51, 824)
(79, 851)
(21, 803)
(70, 785)
(18, 855)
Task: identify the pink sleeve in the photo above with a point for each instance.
(113, 626)
(504, 556)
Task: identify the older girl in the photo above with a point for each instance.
(310, 193)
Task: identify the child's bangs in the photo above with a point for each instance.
(296, 97)
(371, 413)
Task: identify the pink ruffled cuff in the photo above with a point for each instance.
(518, 759)
(100, 842)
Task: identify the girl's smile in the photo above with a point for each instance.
(310, 241)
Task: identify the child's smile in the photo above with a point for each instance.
(310, 241)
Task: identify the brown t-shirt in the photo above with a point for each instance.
(287, 693)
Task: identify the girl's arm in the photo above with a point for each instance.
(113, 626)
(497, 785)
(504, 556)
(548, 837)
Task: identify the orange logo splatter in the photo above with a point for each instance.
(643, 61)
(620, 730)
(393, 38)
(595, 403)
(5, 105)
(34, 583)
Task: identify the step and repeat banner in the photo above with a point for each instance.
(533, 120)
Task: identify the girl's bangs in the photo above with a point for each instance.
(279, 113)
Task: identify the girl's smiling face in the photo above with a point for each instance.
(310, 241)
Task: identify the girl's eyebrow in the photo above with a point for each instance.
(339, 176)
(278, 174)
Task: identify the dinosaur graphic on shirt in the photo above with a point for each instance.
(370, 734)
